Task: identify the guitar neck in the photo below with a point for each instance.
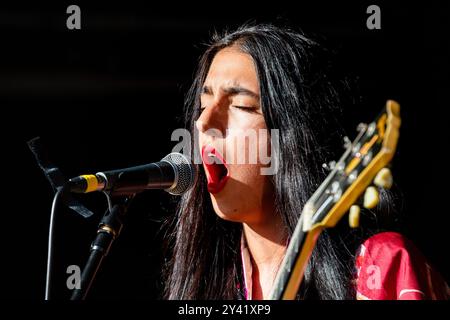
(359, 166)
(291, 272)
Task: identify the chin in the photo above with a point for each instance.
(223, 210)
(227, 217)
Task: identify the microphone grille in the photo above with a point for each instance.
(185, 173)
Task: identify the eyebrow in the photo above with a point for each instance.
(233, 90)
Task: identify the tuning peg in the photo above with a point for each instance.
(329, 166)
(361, 127)
(371, 128)
(384, 179)
(353, 216)
(367, 158)
(371, 197)
(347, 142)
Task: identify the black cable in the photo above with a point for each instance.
(108, 199)
(56, 199)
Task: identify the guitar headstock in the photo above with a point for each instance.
(362, 164)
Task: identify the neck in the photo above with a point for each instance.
(267, 245)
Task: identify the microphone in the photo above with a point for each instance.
(174, 173)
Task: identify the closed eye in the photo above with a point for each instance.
(243, 108)
(246, 109)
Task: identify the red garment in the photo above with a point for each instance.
(390, 267)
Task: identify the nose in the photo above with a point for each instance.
(212, 120)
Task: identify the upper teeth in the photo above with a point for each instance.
(213, 159)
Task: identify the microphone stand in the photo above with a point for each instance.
(108, 230)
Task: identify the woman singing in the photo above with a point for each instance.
(232, 228)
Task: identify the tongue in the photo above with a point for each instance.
(217, 178)
(222, 171)
(218, 172)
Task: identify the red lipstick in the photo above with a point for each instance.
(216, 169)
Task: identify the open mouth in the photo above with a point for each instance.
(216, 169)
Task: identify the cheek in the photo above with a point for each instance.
(246, 173)
(244, 199)
(247, 192)
(248, 143)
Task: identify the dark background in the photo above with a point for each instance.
(110, 95)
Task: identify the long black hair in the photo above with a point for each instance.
(301, 95)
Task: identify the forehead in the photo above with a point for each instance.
(231, 66)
